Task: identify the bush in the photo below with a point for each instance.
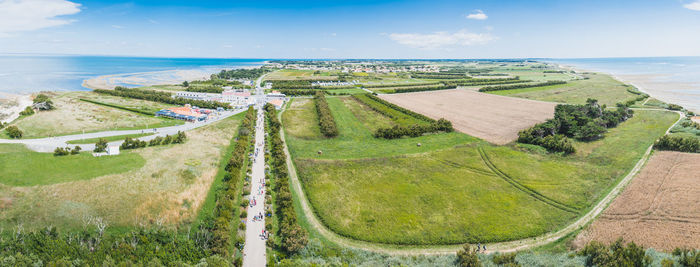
(14, 132)
(101, 145)
(42, 102)
(59, 151)
(76, 150)
(158, 96)
(325, 118)
(617, 254)
(468, 257)
(678, 143)
(519, 86)
(507, 259)
(686, 257)
(674, 107)
(27, 111)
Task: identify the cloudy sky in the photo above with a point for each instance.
(352, 29)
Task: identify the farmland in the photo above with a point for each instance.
(155, 185)
(376, 190)
(655, 209)
(492, 118)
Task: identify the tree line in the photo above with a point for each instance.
(398, 131)
(678, 143)
(305, 84)
(60, 151)
(519, 86)
(396, 107)
(437, 75)
(293, 238)
(325, 118)
(205, 89)
(583, 122)
(158, 96)
(132, 143)
(248, 74)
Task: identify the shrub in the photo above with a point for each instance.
(686, 257)
(76, 150)
(674, 107)
(27, 111)
(678, 143)
(59, 151)
(101, 145)
(519, 86)
(617, 254)
(468, 257)
(14, 132)
(42, 102)
(507, 259)
(325, 118)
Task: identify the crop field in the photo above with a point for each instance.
(602, 87)
(379, 190)
(73, 116)
(165, 185)
(657, 209)
(493, 118)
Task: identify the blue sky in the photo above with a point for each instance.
(352, 29)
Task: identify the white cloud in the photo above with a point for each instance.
(479, 15)
(117, 26)
(441, 39)
(693, 6)
(28, 15)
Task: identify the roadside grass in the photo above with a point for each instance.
(22, 167)
(108, 138)
(73, 116)
(356, 141)
(598, 86)
(442, 197)
(169, 189)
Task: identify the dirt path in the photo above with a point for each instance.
(509, 246)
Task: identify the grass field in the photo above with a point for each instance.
(168, 188)
(289, 74)
(108, 138)
(138, 104)
(22, 167)
(73, 116)
(602, 87)
(392, 191)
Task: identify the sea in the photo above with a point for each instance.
(23, 74)
(670, 79)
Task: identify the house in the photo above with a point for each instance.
(276, 102)
(184, 113)
(112, 150)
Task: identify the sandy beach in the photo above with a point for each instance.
(684, 94)
(145, 78)
(11, 105)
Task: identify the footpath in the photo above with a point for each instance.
(255, 237)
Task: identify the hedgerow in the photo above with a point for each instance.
(678, 143)
(396, 107)
(293, 238)
(325, 118)
(158, 96)
(519, 86)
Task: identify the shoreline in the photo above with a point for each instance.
(12, 113)
(664, 91)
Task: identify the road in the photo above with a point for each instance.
(50, 143)
(502, 247)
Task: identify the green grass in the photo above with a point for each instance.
(602, 87)
(398, 117)
(356, 141)
(350, 91)
(108, 138)
(308, 128)
(530, 89)
(392, 191)
(371, 119)
(22, 167)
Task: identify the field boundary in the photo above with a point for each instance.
(508, 246)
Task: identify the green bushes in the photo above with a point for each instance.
(468, 257)
(674, 107)
(686, 257)
(395, 107)
(519, 86)
(325, 118)
(101, 145)
(59, 151)
(584, 122)
(248, 74)
(617, 254)
(205, 89)
(678, 143)
(42, 102)
(298, 92)
(131, 143)
(420, 88)
(293, 238)
(14, 132)
(158, 96)
(398, 131)
(438, 75)
(220, 226)
(27, 111)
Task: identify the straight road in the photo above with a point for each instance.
(254, 250)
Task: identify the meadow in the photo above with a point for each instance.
(162, 185)
(73, 116)
(443, 191)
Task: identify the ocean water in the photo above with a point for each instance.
(671, 79)
(33, 73)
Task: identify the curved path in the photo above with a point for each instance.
(48, 144)
(509, 246)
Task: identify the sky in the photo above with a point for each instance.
(352, 29)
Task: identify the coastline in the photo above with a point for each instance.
(666, 91)
(18, 103)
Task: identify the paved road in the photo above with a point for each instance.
(50, 143)
(509, 246)
(254, 250)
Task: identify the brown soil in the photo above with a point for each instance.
(496, 119)
(660, 208)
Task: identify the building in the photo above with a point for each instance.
(187, 113)
(278, 103)
(112, 150)
(235, 97)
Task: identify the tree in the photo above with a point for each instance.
(468, 257)
(76, 150)
(27, 111)
(42, 102)
(186, 84)
(101, 145)
(14, 132)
